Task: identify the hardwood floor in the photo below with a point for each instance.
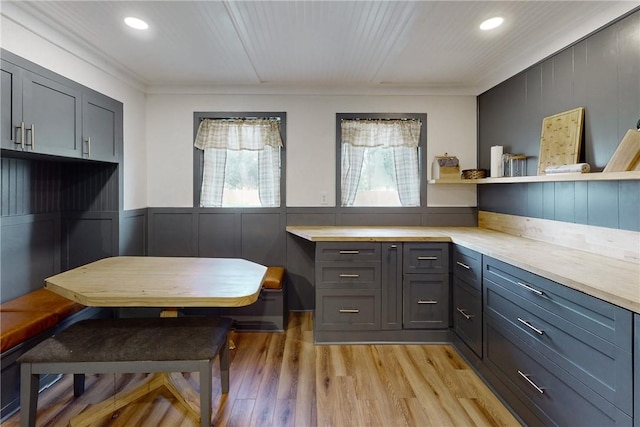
(283, 379)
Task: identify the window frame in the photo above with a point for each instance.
(422, 156)
(198, 155)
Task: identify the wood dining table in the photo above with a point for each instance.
(168, 283)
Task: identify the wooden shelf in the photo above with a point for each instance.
(598, 176)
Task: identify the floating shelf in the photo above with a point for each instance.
(598, 176)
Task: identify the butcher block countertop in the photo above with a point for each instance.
(609, 279)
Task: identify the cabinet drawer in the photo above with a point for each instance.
(467, 266)
(347, 310)
(545, 388)
(426, 258)
(351, 275)
(600, 318)
(467, 315)
(594, 361)
(425, 301)
(347, 251)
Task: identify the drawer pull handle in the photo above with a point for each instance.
(529, 288)
(393, 246)
(530, 326)
(345, 252)
(349, 310)
(534, 385)
(463, 265)
(466, 316)
(349, 276)
(427, 258)
(430, 301)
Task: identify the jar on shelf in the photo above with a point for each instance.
(517, 165)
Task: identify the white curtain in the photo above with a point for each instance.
(216, 136)
(400, 135)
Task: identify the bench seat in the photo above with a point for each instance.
(31, 314)
(130, 345)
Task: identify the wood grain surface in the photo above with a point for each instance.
(283, 379)
(627, 154)
(161, 282)
(613, 280)
(561, 139)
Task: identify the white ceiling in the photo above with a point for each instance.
(391, 45)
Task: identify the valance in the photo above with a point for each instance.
(381, 133)
(240, 134)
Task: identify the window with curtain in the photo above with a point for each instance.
(241, 164)
(380, 162)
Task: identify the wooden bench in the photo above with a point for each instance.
(31, 314)
(130, 345)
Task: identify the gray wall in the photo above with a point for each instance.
(600, 73)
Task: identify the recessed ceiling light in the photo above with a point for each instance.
(136, 23)
(492, 23)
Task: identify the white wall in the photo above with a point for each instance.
(311, 140)
(54, 52)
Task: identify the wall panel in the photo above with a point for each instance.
(600, 73)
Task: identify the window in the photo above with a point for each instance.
(380, 160)
(239, 161)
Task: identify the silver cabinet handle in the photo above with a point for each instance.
(466, 316)
(33, 135)
(530, 326)
(427, 258)
(89, 147)
(463, 265)
(349, 310)
(349, 276)
(393, 246)
(534, 385)
(529, 288)
(21, 142)
(420, 301)
(349, 252)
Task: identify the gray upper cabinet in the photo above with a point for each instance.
(11, 106)
(51, 116)
(45, 113)
(101, 119)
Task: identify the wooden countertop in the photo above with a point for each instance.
(609, 279)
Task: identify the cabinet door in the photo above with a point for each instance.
(426, 301)
(51, 114)
(11, 107)
(467, 315)
(101, 120)
(391, 286)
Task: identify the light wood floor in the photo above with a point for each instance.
(283, 379)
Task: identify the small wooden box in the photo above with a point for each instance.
(445, 167)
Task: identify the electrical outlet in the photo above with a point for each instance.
(323, 198)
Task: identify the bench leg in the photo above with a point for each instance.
(78, 385)
(29, 383)
(224, 365)
(206, 393)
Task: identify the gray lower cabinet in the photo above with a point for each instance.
(426, 301)
(467, 297)
(364, 287)
(425, 286)
(564, 355)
